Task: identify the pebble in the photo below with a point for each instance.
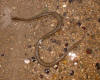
(41, 76)
(2, 54)
(71, 72)
(57, 7)
(55, 66)
(64, 5)
(99, 20)
(29, 46)
(84, 28)
(65, 49)
(79, 23)
(97, 66)
(75, 63)
(70, 1)
(66, 44)
(72, 55)
(26, 61)
(88, 51)
(47, 71)
(64, 14)
(33, 59)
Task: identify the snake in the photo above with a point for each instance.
(59, 19)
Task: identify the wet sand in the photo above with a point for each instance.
(18, 39)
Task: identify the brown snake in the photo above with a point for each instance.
(58, 27)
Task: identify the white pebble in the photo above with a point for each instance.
(72, 55)
(75, 63)
(64, 5)
(27, 61)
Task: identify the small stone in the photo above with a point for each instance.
(75, 63)
(97, 66)
(99, 20)
(41, 76)
(64, 5)
(29, 46)
(71, 73)
(72, 55)
(66, 44)
(79, 23)
(55, 66)
(64, 14)
(65, 49)
(84, 28)
(33, 59)
(70, 1)
(47, 71)
(57, 7)
(88, 51)
(27, 61)
(2, 54)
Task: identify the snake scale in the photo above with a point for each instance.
(58, 27)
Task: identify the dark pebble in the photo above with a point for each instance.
(99, 20)
(41, 76)
(79, 23)
(97, 66)
(33, 59)
(2, 54)
(64, 13)
(88, 51)
(66, 44)
(29, 46)
(84, 28)
(47, 71)
(70, 1)
(65, 49)
(57, 7)
(71, 73)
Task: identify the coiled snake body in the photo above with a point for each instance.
(58, 27)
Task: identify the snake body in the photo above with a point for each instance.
(58, 27)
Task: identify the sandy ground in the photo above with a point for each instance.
(18, 38)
